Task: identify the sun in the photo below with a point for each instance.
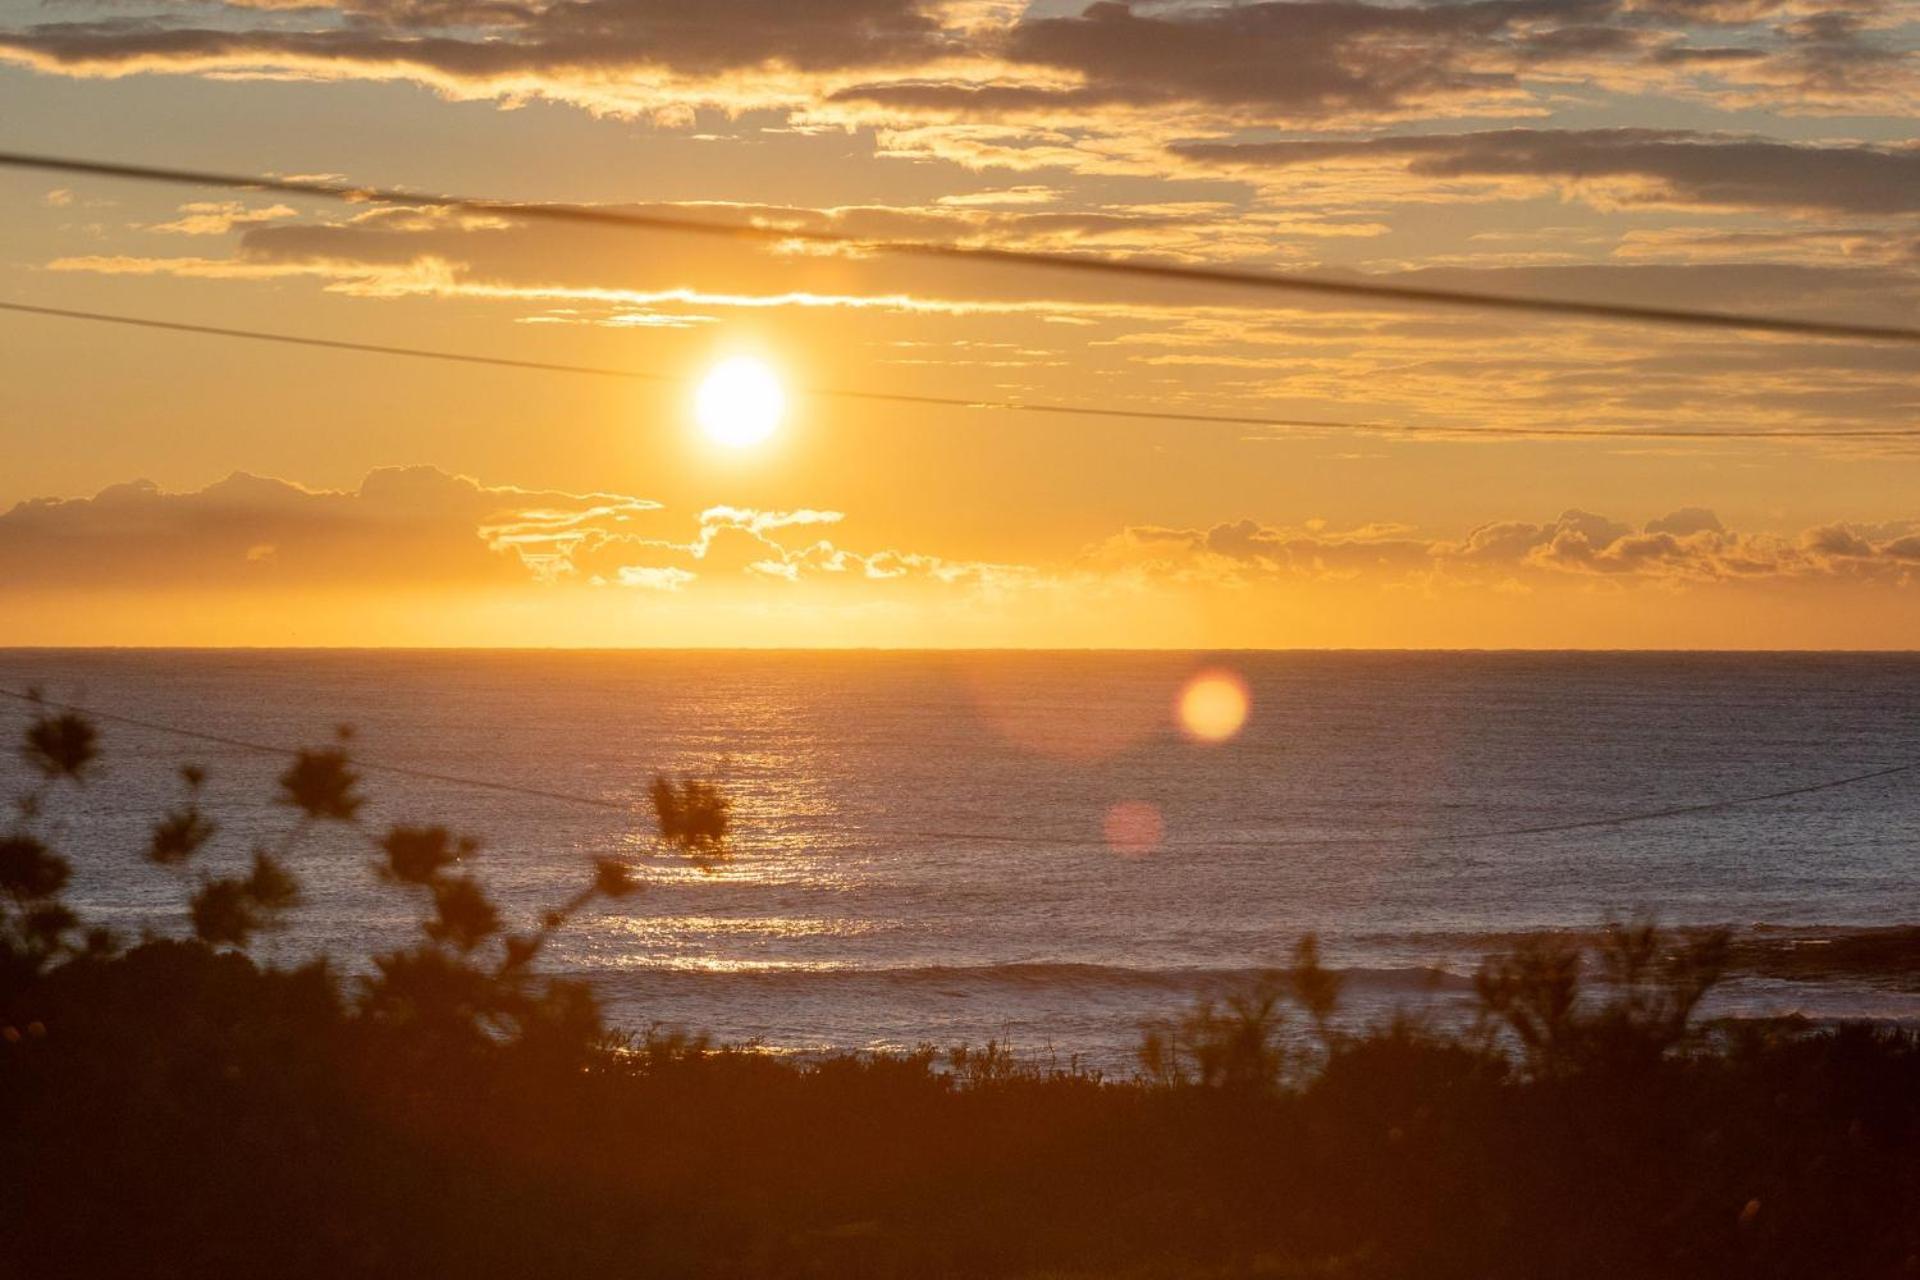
(740, 402)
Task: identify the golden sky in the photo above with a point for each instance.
(1752, 155)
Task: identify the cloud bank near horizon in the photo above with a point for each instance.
(420, 533)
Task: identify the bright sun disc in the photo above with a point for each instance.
(740, 402)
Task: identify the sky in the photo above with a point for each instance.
(1565, 483)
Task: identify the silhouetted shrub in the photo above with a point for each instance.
(1237, 1040)
(1226, 1042)
(418, 855)
(29, 871)
(320, 783)
(694, 817)
(1650, 985)
(60, 745)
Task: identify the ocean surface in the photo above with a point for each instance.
(1026, 847)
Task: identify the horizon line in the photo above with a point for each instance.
(1461, 650)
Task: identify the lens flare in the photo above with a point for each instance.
(1041, 708)
(1213, 706)
(1134, 828)
(740, 402)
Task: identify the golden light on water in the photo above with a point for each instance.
(740, 402)
(1213, 706)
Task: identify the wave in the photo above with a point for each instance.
(1876, 957)
(1886, 956)
(1484, 939)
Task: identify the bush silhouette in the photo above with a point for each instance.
(1650, 986)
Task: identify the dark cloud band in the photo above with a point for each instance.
(1680, 166)
(1212, 277)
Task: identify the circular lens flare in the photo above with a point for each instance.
(1134, 828)
(740, 402)
(1213, 706)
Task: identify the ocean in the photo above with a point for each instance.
(946, 848)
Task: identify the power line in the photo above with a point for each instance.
(588, 215)
(957, 402)
(1550, 828)
(1375, 841)
(332, 344)
(602, 371)
(242, 744)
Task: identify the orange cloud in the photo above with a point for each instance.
(1613, 168)
(420, 526)
(418, 556)
(1689, 546)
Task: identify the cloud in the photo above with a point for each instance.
(418, 527)
(1302, 356)
(1621, 167)
(217, 218)
(1688, 546)
(635, 58)
(403, 525)
(1842, 57)
(1305, 61)
(1687, 521)
(417, 556)
(1806, 246)
(733, 545)
(1272, 62)
(395, 252)
(402, 252)
(480, 41)
(1289, 60)
(1192, 229)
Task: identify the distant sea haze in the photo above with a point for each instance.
(1029, 847)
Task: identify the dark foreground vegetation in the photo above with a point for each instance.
(175, 1108)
